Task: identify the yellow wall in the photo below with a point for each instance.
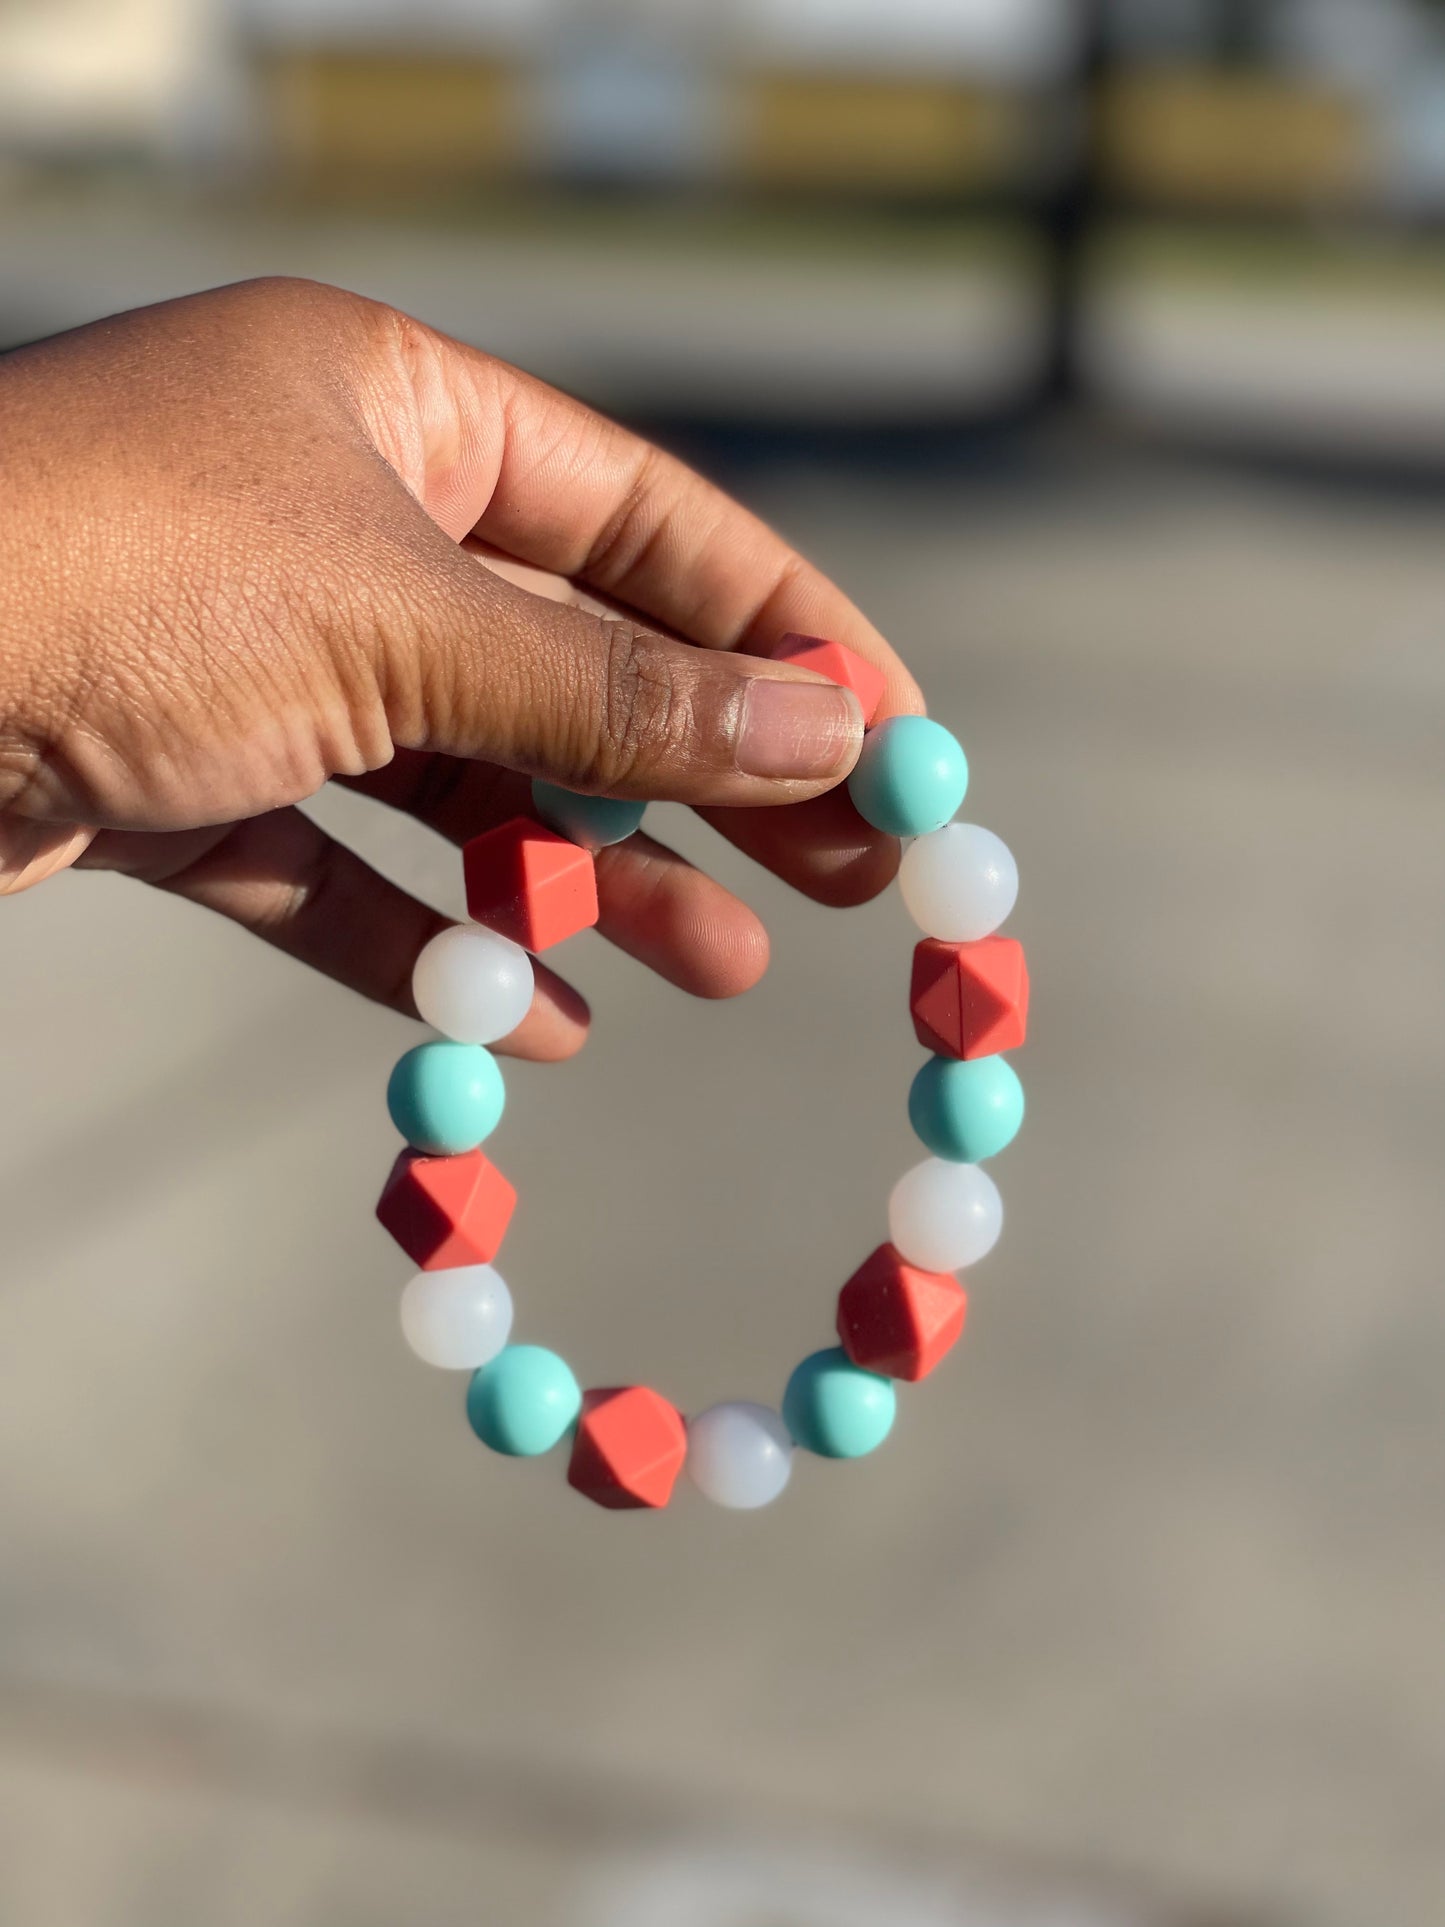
(921, 136)
(385, 113)
(1233, 141)
(1240, 141)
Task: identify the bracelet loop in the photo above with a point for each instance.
(529, 885)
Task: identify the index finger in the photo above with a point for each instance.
(542, 477)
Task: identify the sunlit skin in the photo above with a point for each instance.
(277, 534)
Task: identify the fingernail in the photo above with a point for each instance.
(798, 729)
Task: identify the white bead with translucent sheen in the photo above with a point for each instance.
(472, 985)
(959, 883)
(944, 1217)
(457, 1319)
(739, 1455)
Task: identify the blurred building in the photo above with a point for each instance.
(1234, 105)
(838, 94)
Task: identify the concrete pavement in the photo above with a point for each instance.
(1141, 1607)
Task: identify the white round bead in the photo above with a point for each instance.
(472, 985)
(739, 1455)
(944, 1217)
(457, 1319)
(959, 883)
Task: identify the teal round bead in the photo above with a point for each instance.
(910, 777)
(966, 1112)
(836, 1409)
(523, 1401)
(445, 1098)
(591, 821)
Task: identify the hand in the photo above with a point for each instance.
(263, 537)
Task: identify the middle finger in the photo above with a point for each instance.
(652, 903)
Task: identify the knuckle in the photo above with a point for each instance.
(301, 331)
(637, 529)
(293, 292)
(644, 715)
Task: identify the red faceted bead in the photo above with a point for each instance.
(898, 1320)
(445, 1212)
(529, 884)
(629, 1448)
(970, 999)
(839, 665)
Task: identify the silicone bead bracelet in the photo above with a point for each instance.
(531, 883)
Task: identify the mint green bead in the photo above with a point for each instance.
(523, 1401)
(591, 821)
(445, 1098)
(910, 777)
(836, 1409)
(966, 1112)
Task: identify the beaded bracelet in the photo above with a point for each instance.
(530, 884)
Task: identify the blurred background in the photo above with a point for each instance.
(1098, 347)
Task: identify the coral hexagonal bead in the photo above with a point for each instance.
(447, 1211)
(629, 1448)
(839, 665)
(898, 1320)
(529, 884)
(970, 999)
